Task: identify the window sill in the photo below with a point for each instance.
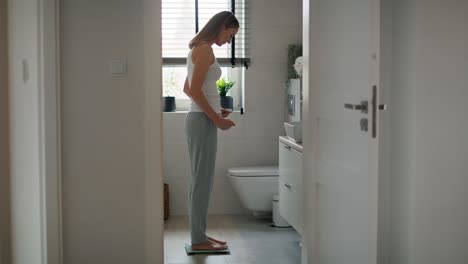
(186, 111)
(177, 112)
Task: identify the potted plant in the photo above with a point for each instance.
(170, 86)
(294, 67)
(169, 103)
(293, 84)
(224, 85)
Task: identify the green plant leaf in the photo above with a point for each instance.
(294, 51)
(224, 85)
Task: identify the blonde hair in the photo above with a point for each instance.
(215, 25)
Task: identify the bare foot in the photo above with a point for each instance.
(217, 241)
(208, 246)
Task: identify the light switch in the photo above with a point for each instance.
(118, 67)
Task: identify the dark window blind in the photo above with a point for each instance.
(182, 18)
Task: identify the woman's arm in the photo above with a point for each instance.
(186, 87)
(202, 59)
(224, 112)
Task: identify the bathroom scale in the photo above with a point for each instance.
(191, 251)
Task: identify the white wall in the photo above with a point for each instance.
(429, 177)
(103, 132)
(25, 131)
(4, 141)
(254, 139)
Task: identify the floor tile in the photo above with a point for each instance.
(251, 241)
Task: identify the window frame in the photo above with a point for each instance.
(241, 63)
(233, 60)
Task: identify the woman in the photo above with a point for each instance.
(203, 119)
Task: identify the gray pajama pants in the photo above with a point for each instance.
(201, 135)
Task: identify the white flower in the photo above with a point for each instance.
(298, 66)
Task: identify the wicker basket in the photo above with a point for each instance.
(166, 201)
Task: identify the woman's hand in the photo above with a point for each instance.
(225, 112)
(224, 124)
(187, 88)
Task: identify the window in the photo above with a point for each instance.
(181, 19)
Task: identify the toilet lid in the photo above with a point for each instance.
(254, 171)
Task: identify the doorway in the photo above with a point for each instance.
(253, 142)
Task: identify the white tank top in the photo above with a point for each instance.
(209, 85)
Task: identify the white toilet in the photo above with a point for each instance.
(255, 187)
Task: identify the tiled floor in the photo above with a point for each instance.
(251, 241)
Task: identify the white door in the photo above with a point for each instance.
(342, 77)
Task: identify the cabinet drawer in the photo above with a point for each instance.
(290, 165)
(290, 204)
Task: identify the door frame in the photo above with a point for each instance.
(153, 116)
(310, 10)
(50, 138)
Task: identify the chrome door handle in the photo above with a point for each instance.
(363, 106)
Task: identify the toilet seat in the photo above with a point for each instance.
(254, 171)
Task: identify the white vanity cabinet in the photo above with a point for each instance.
(290, 182)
